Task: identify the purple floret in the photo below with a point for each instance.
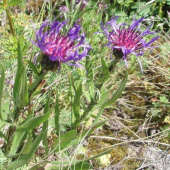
(64, 48)
(128, 39)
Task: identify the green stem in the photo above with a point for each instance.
(87, 111)
(37, 82)
(51, 7)
(32, 89)
(113, 63)
(71, 6)
(9, 17)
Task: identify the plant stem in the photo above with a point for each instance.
(9, 17)
(32, 89)
(37, 82)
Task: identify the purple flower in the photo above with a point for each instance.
(60, 47)
(63, 9)
(128, 39)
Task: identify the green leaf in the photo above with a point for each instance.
(98, 155)
(2, 78)
(79, 166)
(104, 97)
(144, 12)
(27, 145)
(23, 96)
(37, 81)
(72, 90)
(84, 11)
(17, 82)
(98, 116)
(81, 162)
(2, 5)
(23, 159)
(106, 73)
(45, 125)
(117, 93)
(32, 65)
(17, 85)
(89, 69)
(33, 122)
(57, 115)
(138, 4)
(18, 136)
(87, 95)
(71, 80)
(15, 2)
(62, 142)
(76, 103)
(91, 90)
(85, 133)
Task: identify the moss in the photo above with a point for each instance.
(131, 164)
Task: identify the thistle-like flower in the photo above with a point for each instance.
(59, 47)
(126, 40)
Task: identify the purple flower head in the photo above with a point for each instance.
(63, 9)
(128, 39)
(59, 47)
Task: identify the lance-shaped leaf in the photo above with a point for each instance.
(37, 82)
(17, 141)
(76, 103)
(57, 115)
(72, 90)
(106, 73)
(63, 141)
(117, 93)
(45, 125)
(23, 89)
(89, 70)
(65, 166)
(27, 145)
(78, 165)
(104, 96)
(14, 2)
(85, 133)
(23, 159)
(17, 82)
(20, 90)
(33, 122)
(2, 78)
(32, 65)
(98, 116)
(71, 80)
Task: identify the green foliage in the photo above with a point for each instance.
(33, 122)
(53, 108)
(117, 93)
(2, 78)
(14, 2)
(3, 160)
(23, 159)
